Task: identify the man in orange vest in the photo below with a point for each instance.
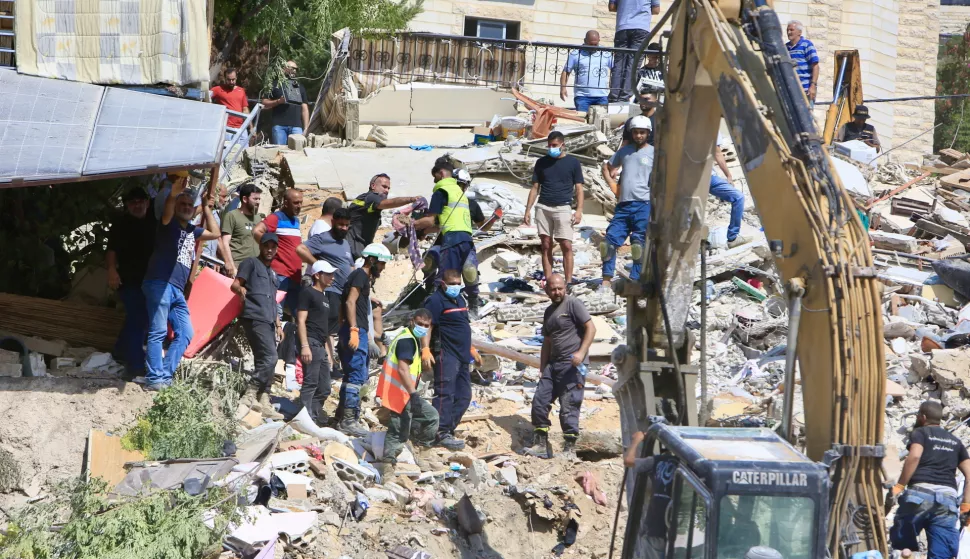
(397, 389)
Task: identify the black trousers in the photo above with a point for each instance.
(559, 381)
(316, 380)
(262, 340)
(620, 89)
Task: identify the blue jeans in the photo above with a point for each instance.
(725, 191)
(629, 219)
(166, 305)
(583, 103)
(938, 514)
(130, 345)
(354, 365)
(292, 289)
(281, 133)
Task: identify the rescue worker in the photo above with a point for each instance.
(352, 338)
(365, 212)
(316, 349)
(450, 212)
(568, 331)
(450, 340)
(633, 198)
(398, 390)
(927, 487)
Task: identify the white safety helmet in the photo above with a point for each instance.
(463, 176)
(640, 122)
(378, 251)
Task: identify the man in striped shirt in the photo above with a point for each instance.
(803, 54)
(285, 223)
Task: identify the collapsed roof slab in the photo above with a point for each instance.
(426, 103)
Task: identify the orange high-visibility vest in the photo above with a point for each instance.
(389, 386)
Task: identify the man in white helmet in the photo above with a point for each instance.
(352, 337)
(632, 211)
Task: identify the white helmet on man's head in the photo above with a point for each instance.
(640, 122)
(463, 176)
(378, 251)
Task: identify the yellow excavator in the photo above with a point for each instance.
(731, 493)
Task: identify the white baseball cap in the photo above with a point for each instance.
(322, 266)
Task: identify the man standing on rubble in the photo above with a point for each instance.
(168, 271)
(365, 212)
(238, 242)
(927, 487)
(450, 211)
(285, 223)
(256, 284)
(352, 341)
(723, 189)
(448, 349)
(592, 74)
(288, 101)
(332, 246)
(130, 245)
(632, 211)
(398, 390)
(316, 349)
(557, 182)
(632, 29)
(567, 333)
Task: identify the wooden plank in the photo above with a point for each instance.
(959, 180)
(941, 231)
(106, 458)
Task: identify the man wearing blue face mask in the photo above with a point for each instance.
(447, 347)
(557, 183)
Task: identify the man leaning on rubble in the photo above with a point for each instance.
(557, 182)
(256, 284)
(632, 211)
(168, 271)
(365, 212)
(568, 331)
(927, 488)
(237, 239)
(398, 390)
(859, 129)
(130, 243)
(352, 340)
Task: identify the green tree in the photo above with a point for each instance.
(301, 30)
(952, 77)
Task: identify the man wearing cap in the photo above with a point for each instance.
(256, 284)
(859, 129)
(650, 78)
(352, 340)
(166, 275)
(632, 211)
(592, 74)
(238, 242)
(130, 243)
(632, 29)
(397, 388)
(316, 350)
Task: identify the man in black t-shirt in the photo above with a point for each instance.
(927, 488)
(660, 471)
(130, 245)
(313, 328)
(365, 212)
(859, 129)
(288, 102)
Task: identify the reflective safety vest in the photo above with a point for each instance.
(389, 386)
(455, 216)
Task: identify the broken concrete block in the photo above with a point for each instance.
(38, 367)
(64, 363)
(55, 348)
(296, 461)
(352, 472)
(507, 476)
(379, 494)
(11, 370)
(7, 356)
(893, 241)
(604, 151)
(401, 494)
(378, 136)
(478, 472)
(507, 261)
(364, 144)
(463, 458)
(898, 329)
(296, 142)
(96, 361)
(951, 367)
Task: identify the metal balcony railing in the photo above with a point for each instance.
(474, 61)
(7, 38)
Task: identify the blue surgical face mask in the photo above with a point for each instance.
(452, 291)
(555, 152)
(419, 331)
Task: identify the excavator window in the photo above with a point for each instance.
(786, 524)
(689, 515)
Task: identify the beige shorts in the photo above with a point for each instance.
(555, 221)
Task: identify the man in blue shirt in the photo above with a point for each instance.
(803, 54)
(632, 28)
(168, 271)
(332, 246)
(592, 69)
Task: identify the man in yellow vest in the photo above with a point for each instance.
(397, 389)
(450, 212)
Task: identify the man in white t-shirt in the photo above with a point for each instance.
(322, 225)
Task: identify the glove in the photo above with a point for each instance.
(475, 355)
(426, 355)
(899, 488)
(354, 341)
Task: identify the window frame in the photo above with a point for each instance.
(698, 486)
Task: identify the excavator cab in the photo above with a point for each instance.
(718, 493)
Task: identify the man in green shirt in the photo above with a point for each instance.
(237, 238)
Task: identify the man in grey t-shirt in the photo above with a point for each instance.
(334, 247)
(632, 211)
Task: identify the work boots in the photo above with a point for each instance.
(266, 407)
(449, 441)
(349, 425)
(569, 448)
(540, 445)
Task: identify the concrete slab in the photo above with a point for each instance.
(405, 136)
(424, 103)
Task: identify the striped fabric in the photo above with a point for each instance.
(804, 55)
(287, 262)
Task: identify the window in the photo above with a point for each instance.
(491, 28)
(786, 524)
(690, 516)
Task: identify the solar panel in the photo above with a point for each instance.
(45, 126)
